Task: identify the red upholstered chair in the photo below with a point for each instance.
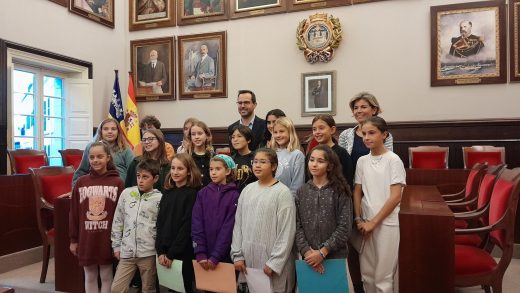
(71, 157)
(23, 159)
(49, 184)
(428, 157)
(475, 265)
(472, 183)
(483, 154)
(477, 217)
(484, 189)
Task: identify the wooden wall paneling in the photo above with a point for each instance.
(454, 134)
(19, 229)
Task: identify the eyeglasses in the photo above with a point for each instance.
(244, 103)
(148, 139)
(260, 162)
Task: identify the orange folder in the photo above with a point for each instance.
(221, 279)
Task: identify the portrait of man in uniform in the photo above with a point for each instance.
(466, 44)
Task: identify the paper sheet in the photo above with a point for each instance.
(171, 277)
(258, 281)
(221, 279)
(334, 279)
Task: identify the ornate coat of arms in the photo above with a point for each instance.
(318, 36)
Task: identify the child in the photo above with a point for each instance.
(291, 161)
(174, 221)
(94, 200)
(240, 138)
(323, 210)
(133, 229)
(265, 224)
(270, 117)
(200, 148)
(183, 148)
(111, 133)
(323, 129)
(380, 177)
(153, 148)
(150, 122)
(213, 215)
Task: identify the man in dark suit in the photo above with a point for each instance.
(246, 103)
(154, 75)
(466, 44)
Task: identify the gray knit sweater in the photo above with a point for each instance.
(323, 218)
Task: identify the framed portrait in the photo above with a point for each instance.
(201, 11)
(468, 43)
(297, 5)
(202, 66)
(148, 14)
(514, 40)
(152, 62)
(100, 11)
(319, 93)
(248, 8)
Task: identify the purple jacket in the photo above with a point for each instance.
(212, 221)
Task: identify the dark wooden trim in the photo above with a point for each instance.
(4, 45)
(64, 3)
(454, 134)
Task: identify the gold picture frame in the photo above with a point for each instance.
(151, 14)
(152, 63)
(202, 66)
(468, 43)
(100, 11)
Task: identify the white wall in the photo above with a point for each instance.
(51, 27)
(385, 50)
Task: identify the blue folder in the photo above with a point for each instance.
(334, 279)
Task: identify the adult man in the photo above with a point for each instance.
(154, 75)
(246, 103)
(466, 44)
(319, 94)
(204, 69)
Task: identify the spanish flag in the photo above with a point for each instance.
(132, 131)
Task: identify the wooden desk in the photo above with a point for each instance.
(426, 249)
(68, 274)
(451, 180)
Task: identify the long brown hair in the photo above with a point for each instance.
(106, 149)
(161, 150)
(329, 120)
(334, 170)
(120, 144)
(194, 177)
(209, 137)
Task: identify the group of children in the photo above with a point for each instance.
(248, 209)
